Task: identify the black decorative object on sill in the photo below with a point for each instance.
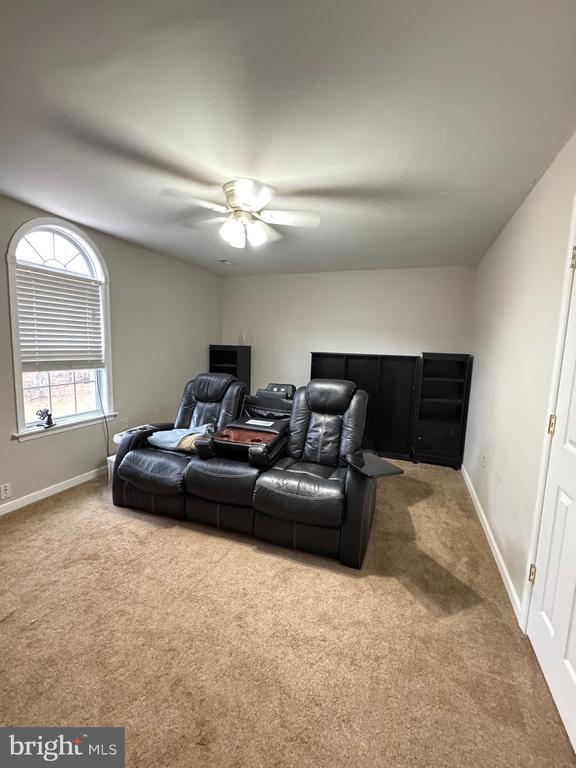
(45, 417)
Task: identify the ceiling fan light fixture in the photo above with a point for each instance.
(233, 232)
(256, 233)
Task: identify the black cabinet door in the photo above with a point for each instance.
(437, 438)
(396, 405)
(364, 371)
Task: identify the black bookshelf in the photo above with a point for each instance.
(236, 360)
(441, 408)
(390, 381)
(417, 406)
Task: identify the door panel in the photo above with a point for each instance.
(363, 370)
(397, 386)
(553, 567)
(570, 435)
(436, 438)
(552, 618)
(571, 646)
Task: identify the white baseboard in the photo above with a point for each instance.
(30, 498)
(510, 589)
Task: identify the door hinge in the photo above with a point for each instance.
(532, 573)
(573, 261)
(552, 424)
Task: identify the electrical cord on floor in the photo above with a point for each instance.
(107, 429)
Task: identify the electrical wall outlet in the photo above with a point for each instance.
(484, 460)
(125, 424)
(5, 491)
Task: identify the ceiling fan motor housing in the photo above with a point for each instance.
(247, 194)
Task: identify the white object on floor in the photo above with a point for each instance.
(110, 460)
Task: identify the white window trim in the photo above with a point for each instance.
(23, 432)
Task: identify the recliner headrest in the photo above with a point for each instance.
(210, 387)
(330, 395)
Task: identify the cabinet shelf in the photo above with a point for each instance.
(440, 420)
(235, 360)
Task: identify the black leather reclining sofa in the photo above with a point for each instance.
(312, 489)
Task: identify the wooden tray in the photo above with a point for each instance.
(244, 437)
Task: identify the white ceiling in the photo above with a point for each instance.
(427, 121)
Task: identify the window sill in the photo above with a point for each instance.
(34, 432)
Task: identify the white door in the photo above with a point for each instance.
(552, 618)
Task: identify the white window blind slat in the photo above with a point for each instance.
(59, 320)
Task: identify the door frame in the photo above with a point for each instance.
(568, 285)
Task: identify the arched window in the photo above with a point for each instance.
(60, 324)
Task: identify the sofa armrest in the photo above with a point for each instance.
(371, 465)
(358, 516)
(130, 441)
(137, 437)
(261, 455)
(204, 446)
(364, 468)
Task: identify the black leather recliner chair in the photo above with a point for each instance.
(152, 479)
(312, 499)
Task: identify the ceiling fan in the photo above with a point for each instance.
(244, 218)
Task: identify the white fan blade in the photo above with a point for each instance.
(272, 234)
(204, 222)
(308, 219)
(181, 195)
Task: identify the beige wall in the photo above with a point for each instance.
(164, 315)
(397, 311)
(517, 307)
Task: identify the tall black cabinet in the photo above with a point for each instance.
(228, 358)
(417, 406)
(390, 381)
(442, 408)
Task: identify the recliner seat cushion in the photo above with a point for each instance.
(302, 492)
(154, 471)
(222, 480)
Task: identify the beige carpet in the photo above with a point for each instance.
(216, 650)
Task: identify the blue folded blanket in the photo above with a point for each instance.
(170, 439)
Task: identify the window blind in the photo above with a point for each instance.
(59, 320)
